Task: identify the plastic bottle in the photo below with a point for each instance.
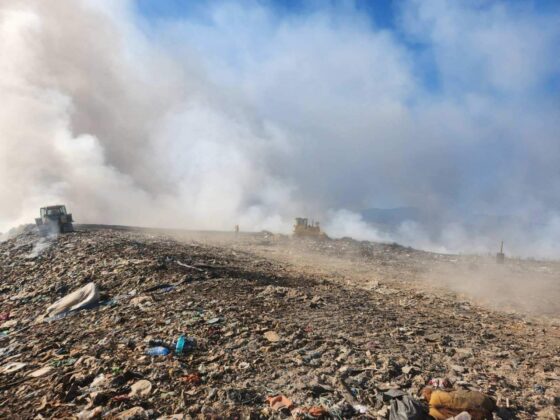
(185, 344)
(180, 344)
(158, 351)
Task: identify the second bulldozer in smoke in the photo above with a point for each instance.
(303, 228)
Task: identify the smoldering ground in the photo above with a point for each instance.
(237, 113)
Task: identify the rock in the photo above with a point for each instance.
(99, 381)
(41, 372)
(141, 388)
(90, 414)
(12, 367)
(272, 336)
(135, 413)
(435, 337)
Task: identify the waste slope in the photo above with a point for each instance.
(254, 331)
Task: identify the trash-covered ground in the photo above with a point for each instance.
(261, 337)
(521, 286)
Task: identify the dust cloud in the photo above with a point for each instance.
(518, 286)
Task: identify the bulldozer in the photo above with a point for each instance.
(54, 220)
(304, 229)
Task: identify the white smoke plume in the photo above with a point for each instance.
(240, 114)
(98, 118)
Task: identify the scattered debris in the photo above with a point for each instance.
(141, 388)
(444, 405)
(82, 298)
(279, 403)
(272, 336)
(158, 351)
(12, 367)
(241, 327)
(41, 372)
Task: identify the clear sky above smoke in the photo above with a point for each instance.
(209, 114)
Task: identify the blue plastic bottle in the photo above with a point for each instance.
(158, 351)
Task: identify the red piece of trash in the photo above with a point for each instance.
(193, 378)
(280, 402)
(315, 412)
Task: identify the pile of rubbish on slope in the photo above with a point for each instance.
(516, 285)
(129, 325)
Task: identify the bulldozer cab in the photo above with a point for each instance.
(53, 211)
(301, 222)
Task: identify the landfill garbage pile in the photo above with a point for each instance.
(135, 325)
(522, 286)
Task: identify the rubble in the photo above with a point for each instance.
(262, 338)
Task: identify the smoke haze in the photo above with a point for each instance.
(241, 113)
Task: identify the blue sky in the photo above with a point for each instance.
(382, 15)
(381, 12)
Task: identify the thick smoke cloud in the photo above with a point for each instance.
(99, 118)
(237, 113)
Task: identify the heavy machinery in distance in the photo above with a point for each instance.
(54, 220)
(304, 229)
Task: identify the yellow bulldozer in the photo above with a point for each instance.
(304, 229)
